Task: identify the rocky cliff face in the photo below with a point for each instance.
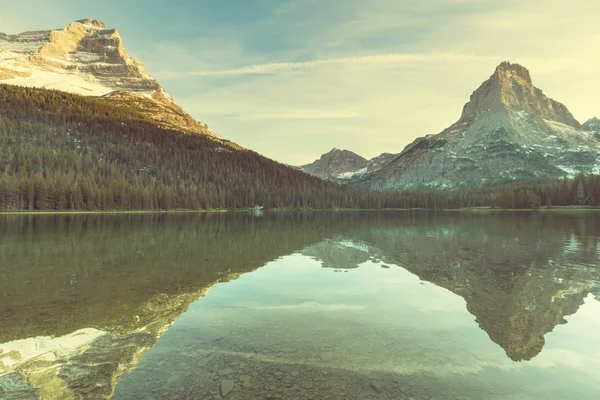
(510, 89)
(508, 131)
(87, 58)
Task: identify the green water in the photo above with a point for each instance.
(302, 306)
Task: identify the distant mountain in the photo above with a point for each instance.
(345, 166)
(509, 131)
(88, 59)
(592, 125)
(334, 164)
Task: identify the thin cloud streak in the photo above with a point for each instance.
(389, 59)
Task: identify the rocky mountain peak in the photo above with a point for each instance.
(341, 154)
(507, 71)
(87, 58)
(92, 22)
(335, 162)
(510, 88)
(592, 124)
(83, 40)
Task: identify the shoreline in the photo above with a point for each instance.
(469, 209)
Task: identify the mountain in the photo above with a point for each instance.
(336, 163)
(88, 59)
(592, 125)
(508, 131)
(345, 166)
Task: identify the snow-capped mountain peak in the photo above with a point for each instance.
(89, 55)
(87, 58)
(345, 166)
(508, 131)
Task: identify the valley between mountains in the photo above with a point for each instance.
(83, 126)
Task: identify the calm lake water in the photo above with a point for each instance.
(356, 305)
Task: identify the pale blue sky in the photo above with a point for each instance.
(292, 79)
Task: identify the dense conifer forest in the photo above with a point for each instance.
(66, 152)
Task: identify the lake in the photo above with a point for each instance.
(322, 305)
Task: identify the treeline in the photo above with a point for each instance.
(66, 152)
(581, 190)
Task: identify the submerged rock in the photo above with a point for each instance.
(226, 371)
(226, 387)
(246, 381)
(377, 386)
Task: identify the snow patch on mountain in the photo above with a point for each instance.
(352, 174)
(70, 83)
(84, 58)
(46, 348)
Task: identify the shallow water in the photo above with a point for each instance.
(293, 306)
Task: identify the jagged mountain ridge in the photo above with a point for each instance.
(508, 131)
(345, 166)
(87, 58)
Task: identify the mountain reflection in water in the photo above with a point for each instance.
(83, 297)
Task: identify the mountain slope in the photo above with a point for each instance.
(508, 131)
(87, 58)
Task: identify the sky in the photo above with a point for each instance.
(292, 79)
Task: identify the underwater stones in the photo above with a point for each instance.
(295, 373)
(173, 379)
(307, 385)
(377, 386)
(202, 362)
(326, 356)
(226, 371)
(226, 387)
(245, 379)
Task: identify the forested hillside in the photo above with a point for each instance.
(60, 151)
(66, 152)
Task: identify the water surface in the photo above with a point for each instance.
(292, 306)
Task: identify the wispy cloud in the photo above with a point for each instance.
(389, 59)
